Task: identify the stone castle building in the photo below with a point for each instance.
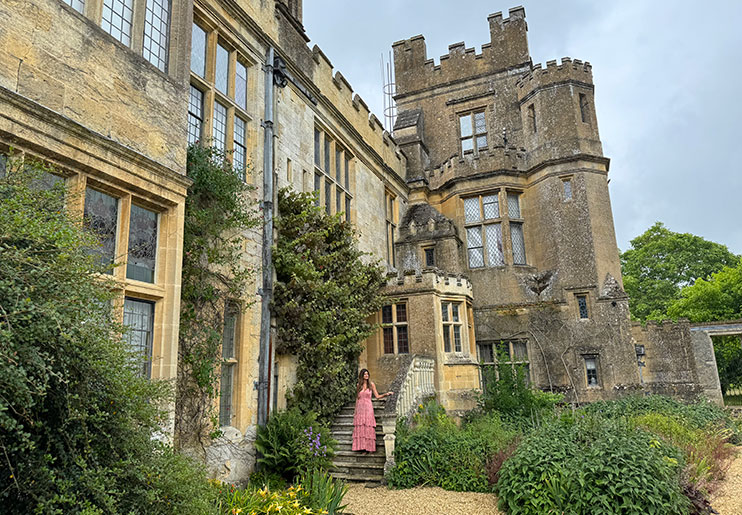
(488, 204)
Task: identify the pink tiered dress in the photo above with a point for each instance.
(364, 423)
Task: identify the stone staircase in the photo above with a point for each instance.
(357, 466)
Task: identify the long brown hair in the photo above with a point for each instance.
(360, 381)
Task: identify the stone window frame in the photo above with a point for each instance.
(518, 220)
(76, 183)
(595, 358)
(474, 137)
(584, 108)
(579, 307)
(334, 166)
(568, 191)
(140, 22)
(392, 327)
(229, 365)
(428, 251)
(217, 35)
(449, 323)
(531, 109)
(391, 213)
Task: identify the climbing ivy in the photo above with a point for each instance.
(325, 291)
(218, 211)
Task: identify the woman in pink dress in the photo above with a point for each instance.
(364, 422)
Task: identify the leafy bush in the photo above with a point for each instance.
(321, 492)
(293, 442)
(436, 452)
(76, 422)
(506, 391)
(591, 466)
(695, 414)
(707, 451)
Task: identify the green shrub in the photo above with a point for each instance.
(320, 491)
(76, 421)
(592, 466)
(293, 442)
(263, 501)
(437, 452)
(507, 392)
(707, 451)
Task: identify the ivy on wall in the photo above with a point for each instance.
(325, 291)
(218, 211)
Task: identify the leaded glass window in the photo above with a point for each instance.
(77, 5)
(221, 78)
(142, 244)
(195, 115)
(474, 244)
(347, 209)
(240, 85)
(101, 217)
(219, 132)
(339, 165)
(139, 320)
(317, 151)
(473, 131)
(514, 205)
(317, 188)
(347, 171)
(338, 200)
(403, 345)
(198, 51)
(116, 19)
(471, 209)
(519, 244)
(582, 306)
(327, 155)
(328, 197)
(567, 187)
(495, 254)
(430, 257)
(157, 32)
(239, 157)
(491, 206)
(394, 328)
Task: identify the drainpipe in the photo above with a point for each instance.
(266, 291)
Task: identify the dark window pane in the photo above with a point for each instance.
(444, 311)
(328, 197)
(225, 395)
(347, 172)
(520, 351)
(327, 154)
(582, 304)
(142, 245)
(101, 217)
(403, 346)
(388, 340)
(317, 152)
(485, 353)
(347, 209)
(519, 244)
(386, 315)
(429, 257)
(139, 319)
(339, 165)
(317, 186)
(230, 331)
(457, 338)
(446, 338)
(195, 115)
(401, 312)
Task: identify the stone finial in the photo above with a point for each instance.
(611, 288)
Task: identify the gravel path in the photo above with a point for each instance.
(417, 501)
(727, 500)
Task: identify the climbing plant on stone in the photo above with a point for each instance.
(218, 210)
(325, 291)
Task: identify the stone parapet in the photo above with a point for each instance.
(428, 280)
(568, 71)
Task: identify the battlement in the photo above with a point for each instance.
(333, 85)
(507, 49)
(570, 70)
(428, 280)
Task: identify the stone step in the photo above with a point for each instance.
(358, 478)
(345, 433)
(353, 467)
(348, 444)
(376, 457)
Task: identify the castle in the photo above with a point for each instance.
(489, 203)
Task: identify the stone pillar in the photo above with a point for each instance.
(389, 425)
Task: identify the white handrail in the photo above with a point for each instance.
(417, 385)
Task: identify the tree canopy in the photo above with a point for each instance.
(661, 262)
(324, 293)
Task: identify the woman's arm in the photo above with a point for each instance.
(376, 394)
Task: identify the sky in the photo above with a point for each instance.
(667, 89)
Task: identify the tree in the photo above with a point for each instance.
(218, 212)
(323, 296)
(661, 262)
(718, 298)
(76, 421)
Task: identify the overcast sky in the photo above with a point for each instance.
(667, 89)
